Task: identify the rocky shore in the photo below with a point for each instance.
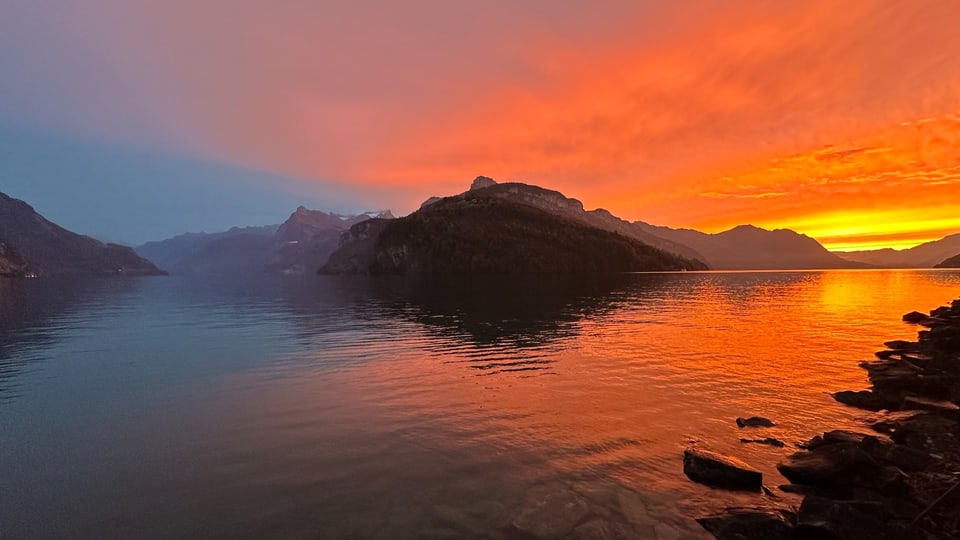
(898, 479)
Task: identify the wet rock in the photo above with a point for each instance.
(840, 467)
(634, 509)
(929, 404)
(599, 529)
(843, 435)
(720, 471)
(914, 317)
(771, 441)
(754, 421)
(902, 345)
(550, 512)
(864, 399)
(737, 523)
(928, 433)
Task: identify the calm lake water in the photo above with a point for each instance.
(327, 407)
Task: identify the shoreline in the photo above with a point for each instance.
(899, 478)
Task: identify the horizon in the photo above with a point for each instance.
(840, 124)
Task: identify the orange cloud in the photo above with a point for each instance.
(689, 113)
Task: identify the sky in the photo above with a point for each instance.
(138, 120)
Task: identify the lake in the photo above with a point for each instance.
(345, 407)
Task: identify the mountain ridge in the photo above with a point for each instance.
(926, 255)
(34, 245)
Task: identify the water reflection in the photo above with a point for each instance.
(385, 408)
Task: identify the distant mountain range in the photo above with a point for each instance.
(744, 247)
(301, 244)
(498, 229)
(925, 255)
(32, 245)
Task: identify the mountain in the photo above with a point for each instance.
(211, 252)
(302, 243)
(751, 248)
(558, 204)
(305, 241)
(952, 262)
(923, 256)
(496, 229)
(32, 242)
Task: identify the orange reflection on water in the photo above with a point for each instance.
(607, 398)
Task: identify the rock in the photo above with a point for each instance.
(737, 523)
(598, 529)
(843, 435)
(754, 421)
(886, 354)
(769, 441)
(928, 404)
(550, 512)
(481, 182)
(720, 471)
(820, 518)
(864, 399)
(928, 433)
(901, 345)
(914, 317)
(840, 466)
(634, 508)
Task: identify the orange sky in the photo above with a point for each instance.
(839, 120)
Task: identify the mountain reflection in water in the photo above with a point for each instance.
(347, 407)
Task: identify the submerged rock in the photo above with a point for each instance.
(738, 523)
(550, 512)
(755, 421)
(720, 471)
(771, 441)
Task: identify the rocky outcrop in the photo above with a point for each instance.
(720, 471)
(43, 248)
(482, 232)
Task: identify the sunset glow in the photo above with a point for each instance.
(840, 122)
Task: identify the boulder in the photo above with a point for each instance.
(820, 518)
(754, 421)
(738, 523)
(901, 345)
(928, 404)
(841, 467)
(720, 471)
(864, 399)
(914, 317)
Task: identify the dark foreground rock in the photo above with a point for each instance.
(903, 480)
(720, 471)
(739, 523)
(755, 421)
